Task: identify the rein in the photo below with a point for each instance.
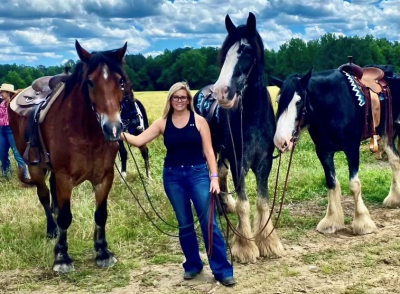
(153, 207)
(240, 95)
(295, 138)
(144, 186)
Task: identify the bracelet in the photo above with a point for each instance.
(214, 175)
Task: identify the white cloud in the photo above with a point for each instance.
(48, 29)
(36, 36)
(51, 55)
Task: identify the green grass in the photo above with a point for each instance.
(131, 236)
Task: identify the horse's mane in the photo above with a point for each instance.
(241, 32)
(98, 58)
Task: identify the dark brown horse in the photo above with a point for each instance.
(80, 133)
(135, 121)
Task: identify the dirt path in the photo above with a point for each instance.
(314, 263)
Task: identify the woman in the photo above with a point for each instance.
(6, 136)
(187, 140)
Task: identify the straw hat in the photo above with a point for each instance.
(7, 88)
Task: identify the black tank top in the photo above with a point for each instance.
(184, 146)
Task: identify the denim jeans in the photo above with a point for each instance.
(183, 185)
(6, 142)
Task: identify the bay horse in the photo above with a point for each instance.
(80, 133)
(135, 121)
(242, 133)
(335, 121)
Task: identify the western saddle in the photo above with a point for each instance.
(34, 103)
(370, 80)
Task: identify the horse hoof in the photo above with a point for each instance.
(105, 263)
(63, 268)
(123, 174)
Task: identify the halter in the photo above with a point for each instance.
(92, 104)
(301, 119)
(246, 78)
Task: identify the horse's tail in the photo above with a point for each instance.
(144, 113)
(27, 183)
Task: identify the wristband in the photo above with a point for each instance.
(214, 175)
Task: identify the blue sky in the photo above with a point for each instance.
(34, 32)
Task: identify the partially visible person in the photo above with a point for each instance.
(6, 135)
(186, 178)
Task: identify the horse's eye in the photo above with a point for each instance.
(298, 102)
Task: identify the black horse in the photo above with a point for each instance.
(135, 121)
(336, 122)
(242, 127)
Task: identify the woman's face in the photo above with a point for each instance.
(180, 100)
(5, 95)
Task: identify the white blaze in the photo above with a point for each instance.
(231, 60)
(286, 124)
(105, 72)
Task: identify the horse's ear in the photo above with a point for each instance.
(120, 53)
(230, 27)
(276, 82)
(306, 79)
(251, 23)
(82, 53)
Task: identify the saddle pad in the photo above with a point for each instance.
(204, 105)
(359, 94)
(25, 111)
(57, 91)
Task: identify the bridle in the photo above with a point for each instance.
(240, 94)
(87, 82)
(245, 81)
(300, 117)
(295, 136)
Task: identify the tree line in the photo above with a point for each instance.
(200, 66)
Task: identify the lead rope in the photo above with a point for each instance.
(210, 225)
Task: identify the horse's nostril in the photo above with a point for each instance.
(225, 90)
(285, 145)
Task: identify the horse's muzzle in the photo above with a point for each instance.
(112, 130)
(227, 97)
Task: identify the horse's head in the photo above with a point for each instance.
(292, 104)
(241, 51)
(129, 114)
(104, 83)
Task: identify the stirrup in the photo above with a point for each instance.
(373, 144)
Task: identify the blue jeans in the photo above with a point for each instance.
(6, 142)
(183, 185)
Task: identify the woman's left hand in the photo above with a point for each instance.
(214, 185)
